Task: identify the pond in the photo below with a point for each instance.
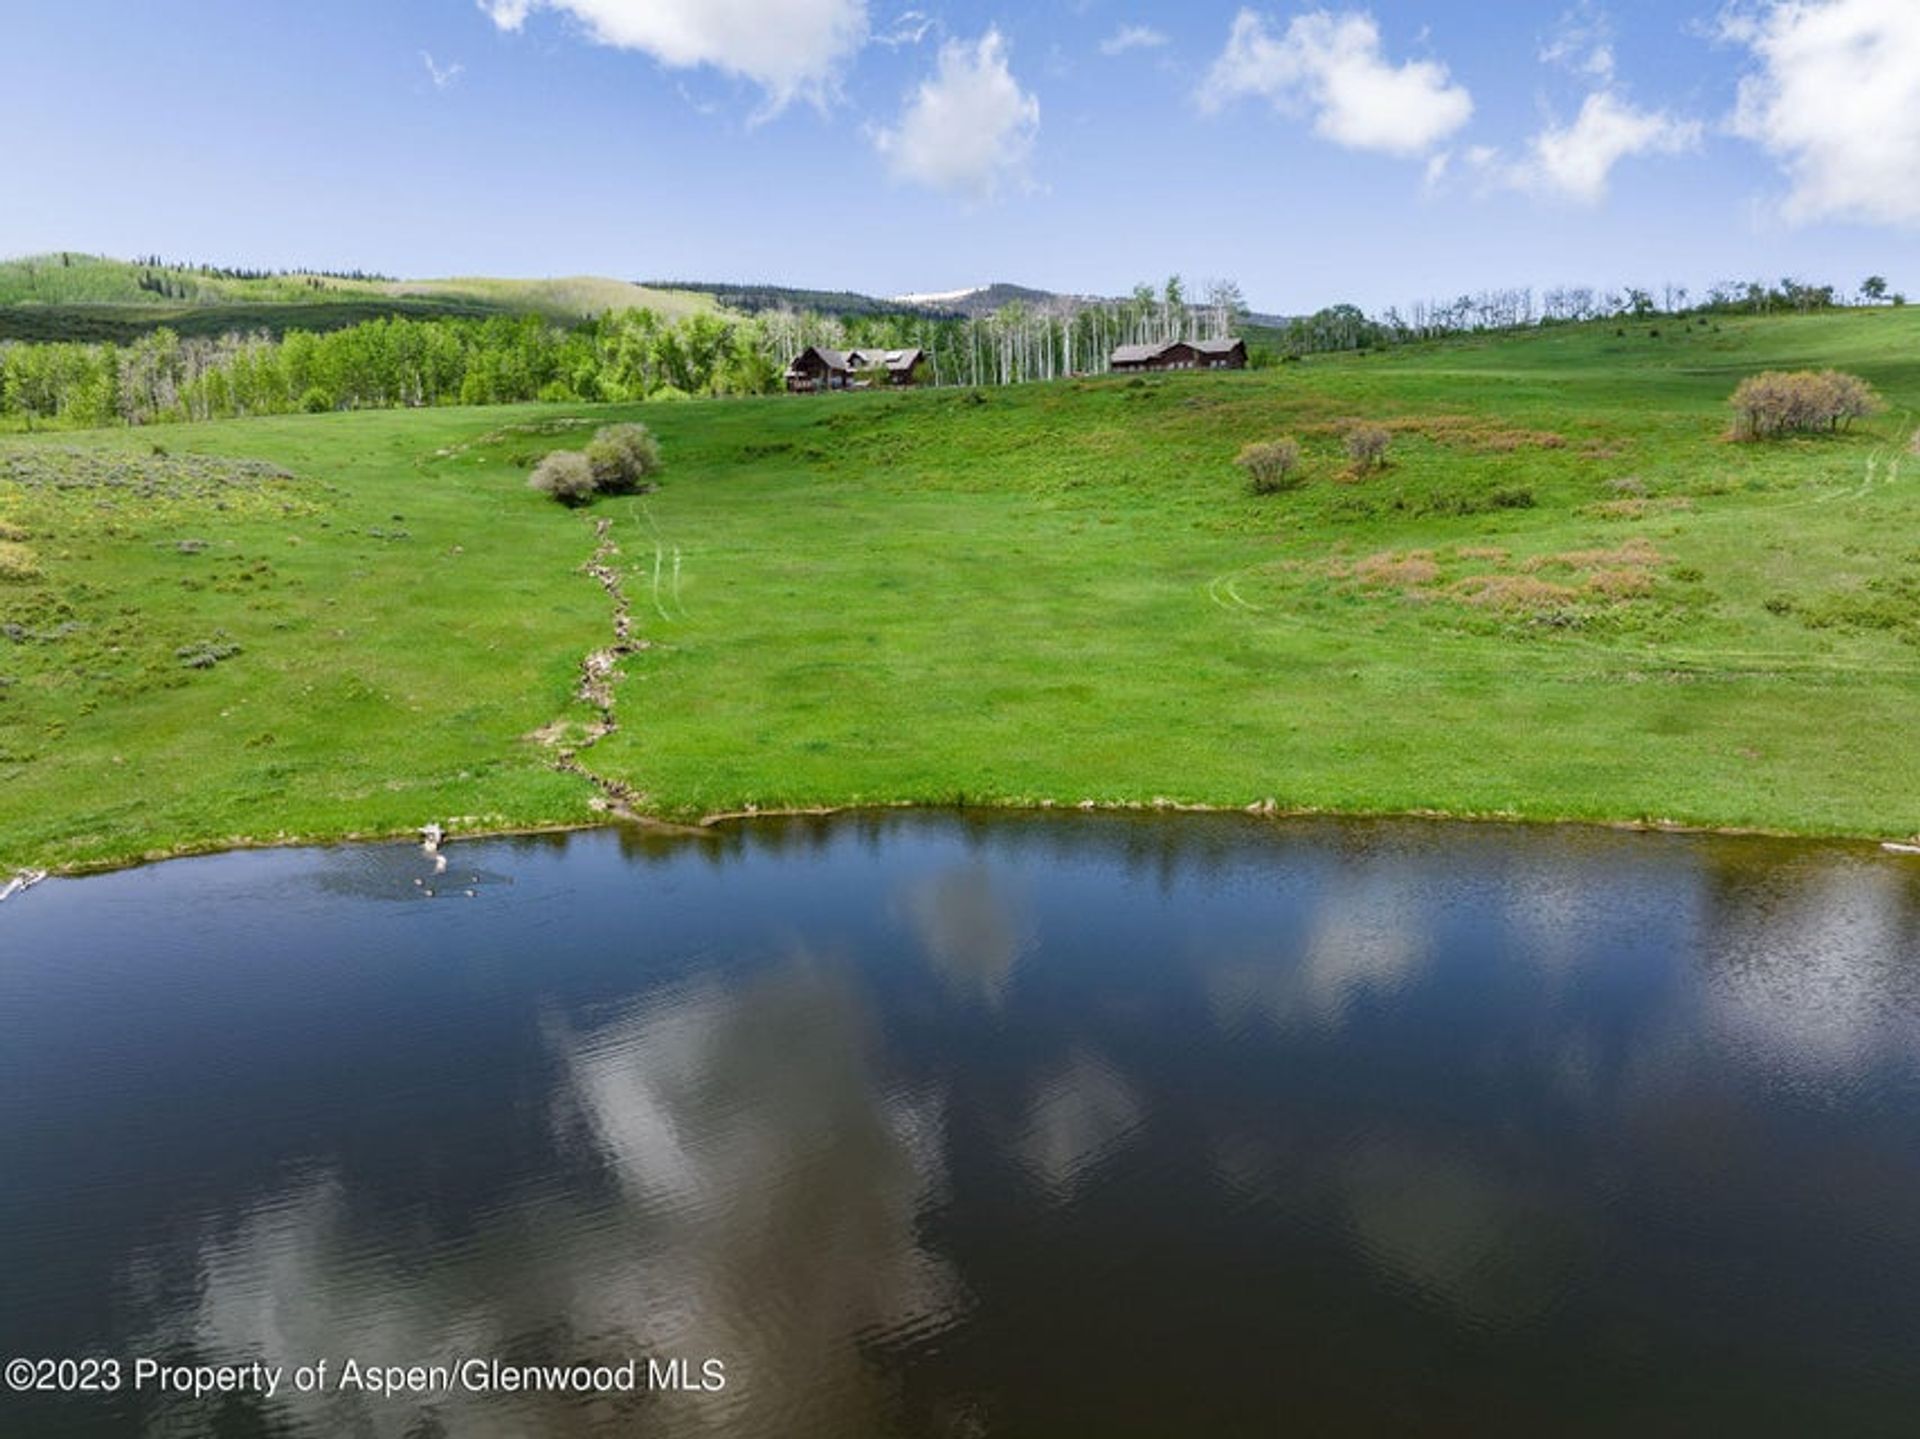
(946, 1125)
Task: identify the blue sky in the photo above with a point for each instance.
(1377, 153)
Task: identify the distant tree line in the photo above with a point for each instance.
(1346, 327)
(151, 263)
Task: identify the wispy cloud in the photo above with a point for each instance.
(909, 27)
(443, 76)
(1582, 42)
(1575, 161)
(1132, 37)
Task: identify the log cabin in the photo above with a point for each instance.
(1227, 354)
(817, 368)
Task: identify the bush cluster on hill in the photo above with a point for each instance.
(1367, 447)
(619, 459)
(1776, 402)
(1271, 466)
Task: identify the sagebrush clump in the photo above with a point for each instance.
(623, 457)
(1271, 465)
(1777, 402)
(619, 459)
(566, 475)
(1367, 447)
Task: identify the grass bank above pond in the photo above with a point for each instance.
(1566, 597)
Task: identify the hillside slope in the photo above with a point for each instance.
(1565, 597)
(87, 297)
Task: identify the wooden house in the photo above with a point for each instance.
(1166, 355)
(1227, 354)
(817, 368)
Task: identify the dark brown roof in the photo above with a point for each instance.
(849, 360)
(1140, 354)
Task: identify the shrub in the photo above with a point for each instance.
(316, 401)
(623, 457)
(566, 475)
(205, 654)
(1367, 447)
(17, 563)
(1775, 403)
(1271, 465)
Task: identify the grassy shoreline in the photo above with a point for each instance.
(1565, 600)
(713, 826)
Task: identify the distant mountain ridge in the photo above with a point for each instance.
(752, 299)
(964, 304)
(985, 299)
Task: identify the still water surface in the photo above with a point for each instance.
(946, 1126)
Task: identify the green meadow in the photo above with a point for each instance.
(1566, 596)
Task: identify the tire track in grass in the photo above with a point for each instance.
(659, 560)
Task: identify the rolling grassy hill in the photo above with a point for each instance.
(97, 323)
(87, 297)
(1567, 596)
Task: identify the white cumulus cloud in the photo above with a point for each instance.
(789, 50)
(1333, 66)
(1836, 98)
(1575, 161)
(969, 128)
(1132, 37)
